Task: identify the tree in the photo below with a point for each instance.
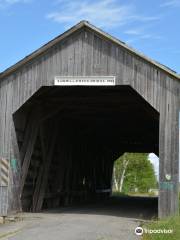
(133, 172)
(120, 171)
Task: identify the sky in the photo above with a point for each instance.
(151, 27)
(155, 161)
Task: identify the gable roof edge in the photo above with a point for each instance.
(78, 26)
(132, 50)
(41, 50)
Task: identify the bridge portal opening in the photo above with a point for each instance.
(69, 138)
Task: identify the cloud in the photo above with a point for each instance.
(134, 31)
(7, 3)
(135, 34)
(171, 3)
(104, 13)
(138, 34)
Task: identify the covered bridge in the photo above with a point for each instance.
(69, 109)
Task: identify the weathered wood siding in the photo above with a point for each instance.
(87, 53)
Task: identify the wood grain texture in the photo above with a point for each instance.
(86, 53)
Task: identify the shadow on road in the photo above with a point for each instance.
(124, 206)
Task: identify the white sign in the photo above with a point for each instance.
(85, 81)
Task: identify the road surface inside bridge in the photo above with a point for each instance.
(112, 219)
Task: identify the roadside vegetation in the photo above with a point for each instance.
(168, 223)
(133, 174)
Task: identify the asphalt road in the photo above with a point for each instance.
(114, 219)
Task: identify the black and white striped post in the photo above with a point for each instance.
(4, 181)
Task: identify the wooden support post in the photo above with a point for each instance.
(169, 159)
(61, 172)
(41, 172)
(28, 144)
(37, 188)
(44, 172)
(32, 122)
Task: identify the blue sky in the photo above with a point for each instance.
(152, 27)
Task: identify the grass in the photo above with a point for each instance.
(168, 223)
(116, 193)
(119, 194)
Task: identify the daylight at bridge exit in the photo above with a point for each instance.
(89, 120)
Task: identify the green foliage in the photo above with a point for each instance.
(139, 174)
(169, 223)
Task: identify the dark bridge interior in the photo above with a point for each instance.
(69, 138)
